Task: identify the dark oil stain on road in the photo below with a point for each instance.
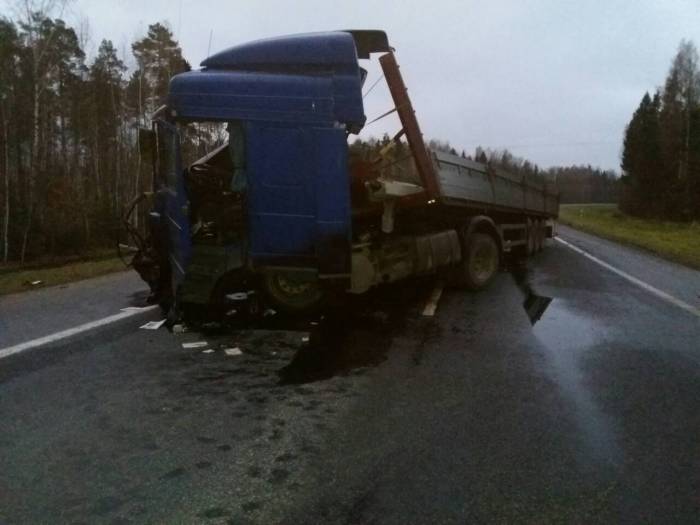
(345, 339)
(534, 304)
(355, 336)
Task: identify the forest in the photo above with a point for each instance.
(69, 133)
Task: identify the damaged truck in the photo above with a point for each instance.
(281, 216)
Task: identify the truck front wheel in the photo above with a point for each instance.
(292, 292)
(481, 261)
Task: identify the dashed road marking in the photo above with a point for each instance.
(645, 286)
(52, 338)
(433, 300)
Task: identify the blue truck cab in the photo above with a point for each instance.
(282, 180)
(278, 207)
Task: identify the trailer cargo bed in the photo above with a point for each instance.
(463, 182)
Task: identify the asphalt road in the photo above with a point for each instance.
(42, 312)
(474, 415)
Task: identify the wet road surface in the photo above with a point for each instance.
(474, 415)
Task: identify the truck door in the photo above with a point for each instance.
(173, 202)
(282, 197)
(299, 197)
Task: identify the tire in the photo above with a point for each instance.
(482, 261)
(291, 293)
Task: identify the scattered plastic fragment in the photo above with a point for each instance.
(196, 344)
(305, 339)
(33, 283)
(207, 351)
(153, 325)
(179, 328)
(232, 351)
(269, 312)
(240, 296)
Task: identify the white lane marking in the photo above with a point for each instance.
(52, 338)
(649, 288)
(433, 300)
(197, 344)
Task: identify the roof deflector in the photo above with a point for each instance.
(369, 41)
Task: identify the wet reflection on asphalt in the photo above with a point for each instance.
(565, 336)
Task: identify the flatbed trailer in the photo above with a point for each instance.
(282, 209)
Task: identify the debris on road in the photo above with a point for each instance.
(195, 344)
(207, 351)
(233, 351)
(179, 328)
(153, 325)
(432, 303)
(33, 283)
(134, 308)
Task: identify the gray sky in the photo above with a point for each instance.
(554, 81)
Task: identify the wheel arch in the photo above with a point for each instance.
(484, 224)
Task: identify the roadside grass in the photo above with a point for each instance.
(14, 279)
(679, 242)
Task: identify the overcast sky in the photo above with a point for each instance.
(554, 81)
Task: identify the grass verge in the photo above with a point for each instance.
(679, 242)
(17, 280)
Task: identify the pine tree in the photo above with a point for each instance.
(106, 100)
(693, 193)
(158, 57)
(643, 174)
(680, 98)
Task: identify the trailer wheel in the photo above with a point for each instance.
(292, 292)
(482, 261)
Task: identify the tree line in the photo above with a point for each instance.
(661, 150)
(576, 184)
(69, 154)
(585, 184)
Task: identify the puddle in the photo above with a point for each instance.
(565, 336)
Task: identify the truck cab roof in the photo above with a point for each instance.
(312, 77)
